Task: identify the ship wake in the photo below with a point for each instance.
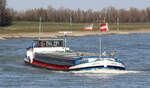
(108, 71)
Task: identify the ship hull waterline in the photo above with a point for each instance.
(55, 67)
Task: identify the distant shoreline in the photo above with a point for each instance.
(74, 33)
(31, 29)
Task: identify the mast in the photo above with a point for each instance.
(104, 19)
(65, 35)
(40, 26)
(70, 23)
(118, 27)
(100, 50)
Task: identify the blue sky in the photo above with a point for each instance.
(22, 5)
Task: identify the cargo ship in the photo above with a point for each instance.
(53, 54)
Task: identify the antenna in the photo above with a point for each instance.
(100, 51)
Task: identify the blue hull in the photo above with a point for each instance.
(95, 68)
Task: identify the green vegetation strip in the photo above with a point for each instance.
(33, 27)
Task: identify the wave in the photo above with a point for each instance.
(107, 71)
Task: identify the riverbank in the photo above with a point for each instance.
(49, 29)
(74, 33)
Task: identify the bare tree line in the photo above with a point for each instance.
(5, 17)
(63, 14)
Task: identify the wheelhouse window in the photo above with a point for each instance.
(49, 43)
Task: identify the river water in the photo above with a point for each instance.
(133, 50)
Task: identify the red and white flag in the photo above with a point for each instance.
(88, 28)
(104, 27)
